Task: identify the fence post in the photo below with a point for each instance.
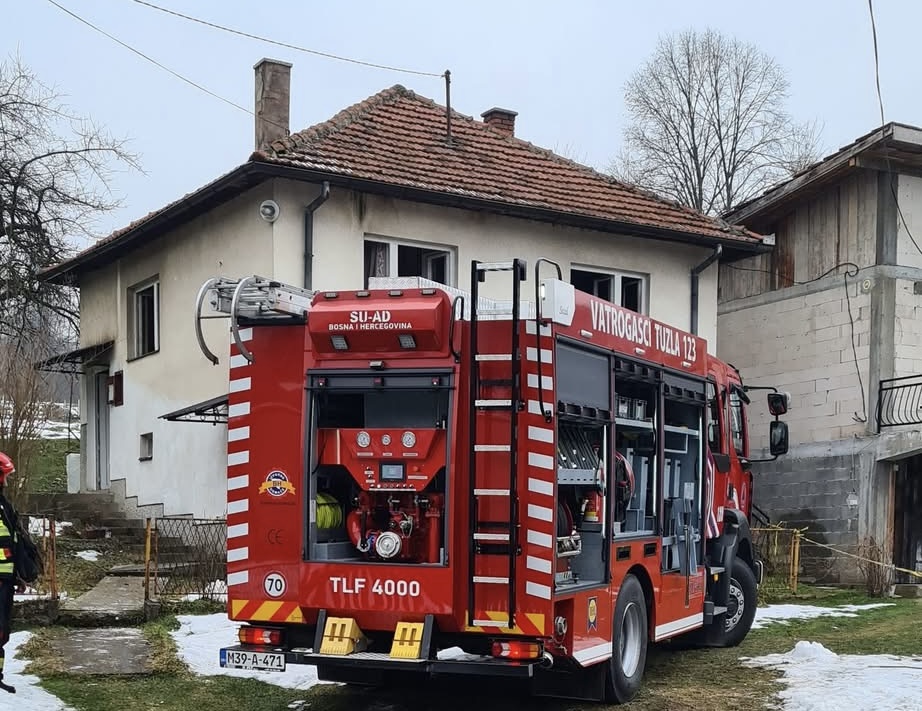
(147, 561)
(795, 559)
(53, 543)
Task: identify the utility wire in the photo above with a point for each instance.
(148, 58)
(852, 271)
(286, 45)
(880, 103)
(158, 64)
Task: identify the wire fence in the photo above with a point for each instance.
(186, 559)
(44, 531)
(779, 548)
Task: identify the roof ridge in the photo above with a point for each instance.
(346, 117)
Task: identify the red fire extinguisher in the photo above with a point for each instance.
(592, 506)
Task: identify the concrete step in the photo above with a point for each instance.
(122, 522)
(907, 590)
(115, 601)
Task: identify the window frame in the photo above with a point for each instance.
(736, 402)
(431, 252)
(614, 278)
(135, 348)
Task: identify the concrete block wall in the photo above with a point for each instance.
(804, 342)
(830, 491)
(908, 328)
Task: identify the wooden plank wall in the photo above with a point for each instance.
(836, 225)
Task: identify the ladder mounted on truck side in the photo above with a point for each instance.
(494, 537)
(249, 298)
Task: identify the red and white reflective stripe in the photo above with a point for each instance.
(238, 462)
(542, 465)
(711, 530)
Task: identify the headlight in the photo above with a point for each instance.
(387, 545)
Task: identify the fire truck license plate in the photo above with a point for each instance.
(269, 661)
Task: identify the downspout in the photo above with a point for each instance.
(695, 272)
(309, 232)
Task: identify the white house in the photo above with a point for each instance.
(388, 187)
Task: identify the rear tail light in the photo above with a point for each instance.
(259, 635)
(407, 341)
(516, 650)
(339, 343)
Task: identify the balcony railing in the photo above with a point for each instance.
(900, 402)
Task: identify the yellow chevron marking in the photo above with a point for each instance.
(266, 610)
(237, 607)
(296, 616)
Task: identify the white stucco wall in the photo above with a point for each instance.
(187, 472)
(343, 223)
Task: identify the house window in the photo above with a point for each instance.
(147, 447)
(384, 259)
(621, 288)
(144, 318)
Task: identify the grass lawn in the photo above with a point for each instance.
(49, 471)
(678, 680)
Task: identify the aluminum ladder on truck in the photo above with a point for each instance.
(249, 298)
(494, 538)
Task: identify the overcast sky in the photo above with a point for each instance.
(560, 65)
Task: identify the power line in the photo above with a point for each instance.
(286, 45)
(880, 102)
(150, 59)
(880, 98)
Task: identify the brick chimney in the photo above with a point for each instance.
(273, 101)
(502, 120)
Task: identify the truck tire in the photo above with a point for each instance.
(629, 643)
(741, 605)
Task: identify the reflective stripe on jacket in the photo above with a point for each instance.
(7, 542)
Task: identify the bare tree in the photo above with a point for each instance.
(708, 124)
(55, 176)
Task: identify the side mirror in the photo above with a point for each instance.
(778, 403)
(778, 437)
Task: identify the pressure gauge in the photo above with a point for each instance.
(385, 439)
(409, 439)
(363, 439)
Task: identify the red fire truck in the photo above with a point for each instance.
(425, 480)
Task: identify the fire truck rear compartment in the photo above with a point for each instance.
(380, 446)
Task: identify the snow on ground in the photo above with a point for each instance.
(201, 636)
(40, 526)
(28, 694)
(89, 556)
(820, 680)
(31, 593)
(215, 590)
(782, 613)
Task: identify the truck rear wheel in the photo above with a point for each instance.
(741, 605)
(629, 643)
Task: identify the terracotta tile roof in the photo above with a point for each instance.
(399, 138)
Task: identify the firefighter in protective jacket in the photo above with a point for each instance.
(9, 582)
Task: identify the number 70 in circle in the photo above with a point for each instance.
(275, 585)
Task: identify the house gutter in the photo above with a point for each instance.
(695, 273)
(309, 232)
